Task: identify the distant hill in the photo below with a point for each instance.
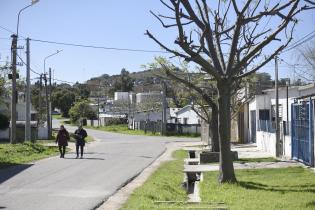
(144, 81)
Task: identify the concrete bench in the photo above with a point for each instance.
(193, 152)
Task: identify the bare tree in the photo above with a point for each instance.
(223, 38)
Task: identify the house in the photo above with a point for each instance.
(179, 120)
(296, 116)
(187, 116)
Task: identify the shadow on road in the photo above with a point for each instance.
(11, 171)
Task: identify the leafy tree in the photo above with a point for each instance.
(63, 100)
(82, 90)
(124, 82)
(223, 38)
(82, 109)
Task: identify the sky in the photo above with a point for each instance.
(108, 23)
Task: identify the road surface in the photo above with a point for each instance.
(70, 183)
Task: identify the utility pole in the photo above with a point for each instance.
(164, 106)
(49, 107)
(28, 95)
(277, 109)
(40, 99)
(14, 91)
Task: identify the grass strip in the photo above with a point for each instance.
(14, 154)
(165, 184)
(273, 189)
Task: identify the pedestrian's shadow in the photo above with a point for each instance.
(85, 158)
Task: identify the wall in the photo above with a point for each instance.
(42, 133)
(266, 142)
(124, 96)
(192, 117)
(5, 134)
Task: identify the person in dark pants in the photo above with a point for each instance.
(62, 140)
(80, 135)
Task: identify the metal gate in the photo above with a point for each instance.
(302, 132)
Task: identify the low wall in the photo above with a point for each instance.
(5, 134)
(267, 142)
(42, 133)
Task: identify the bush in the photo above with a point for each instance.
(4, 122)
(81, 109)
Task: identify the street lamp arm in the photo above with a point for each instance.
(58, 51)
(18, 20)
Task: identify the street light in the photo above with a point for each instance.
(48, 102)
(18, 20)
(58, 51)
(14, 75)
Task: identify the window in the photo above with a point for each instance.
(185, 120)
(264, 114)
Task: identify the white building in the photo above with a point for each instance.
(142, 97)
(121, 96)
(187, 116)
(261, 122)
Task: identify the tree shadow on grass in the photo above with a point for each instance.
(277, 188)
(8, 171)
(311, 204)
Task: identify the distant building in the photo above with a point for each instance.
(121, 96)
(142, 97)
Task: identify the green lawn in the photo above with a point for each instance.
(13, 154)
(125, 130)
(289, 188)
(58, 117)
(122, 129)
(164, 185)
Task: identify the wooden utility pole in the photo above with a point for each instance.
(14, 91)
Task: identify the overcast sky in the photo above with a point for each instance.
(108, 23)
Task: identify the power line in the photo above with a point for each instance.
(99, 47)
(6, 29)
(304, 39)
(26, 64)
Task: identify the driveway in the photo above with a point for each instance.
(55, 183)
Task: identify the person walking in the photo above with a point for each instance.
(80, 135)
(62, 140)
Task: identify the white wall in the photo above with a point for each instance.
(266, 142)
(124, 96)
(42, 133)
(192, 117)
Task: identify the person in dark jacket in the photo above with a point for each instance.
(80, 135)
(62, 140)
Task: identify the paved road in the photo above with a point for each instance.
(70, 183)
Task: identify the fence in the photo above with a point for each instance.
(266, 126)
(270, 127)
(171, 128)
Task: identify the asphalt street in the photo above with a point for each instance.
(70, 183)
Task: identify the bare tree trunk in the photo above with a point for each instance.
(214, 129)
(226, 163)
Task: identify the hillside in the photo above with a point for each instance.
(144, 81)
